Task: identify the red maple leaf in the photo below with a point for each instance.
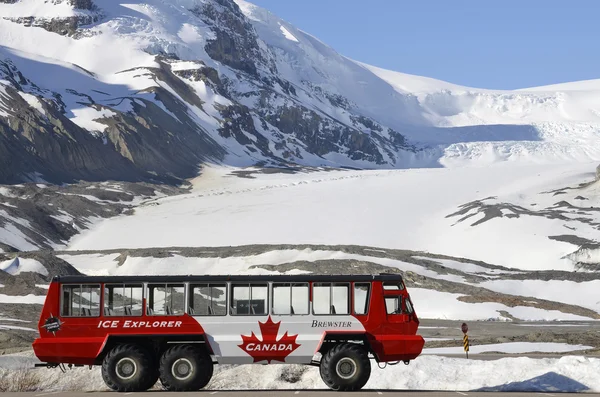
(269, 348)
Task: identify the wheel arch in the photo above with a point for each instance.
(154, 344)
(331, 339)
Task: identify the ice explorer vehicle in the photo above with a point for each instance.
(140, 329)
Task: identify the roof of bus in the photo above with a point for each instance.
(215, 278)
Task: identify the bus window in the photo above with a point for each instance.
(123, 299)
(361, 297)
(249, 299)
(165, 299)
(331, 298)
(80, 300)
(393, 304)
(409, 307)
(290, 298)
(393, 286)
(208, 299)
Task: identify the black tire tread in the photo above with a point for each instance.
(204, 370)
(146, 381)
(354, 349)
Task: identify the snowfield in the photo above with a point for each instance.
(428, 372)
(418, 209)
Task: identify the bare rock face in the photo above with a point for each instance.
(236, 43)
(83, 4)
(69, 26)
(65, 26)
(148, 144)
(598, 173)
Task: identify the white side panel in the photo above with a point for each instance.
(224, 334)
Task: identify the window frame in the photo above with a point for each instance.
(80, 285)
(331, 285)
(150, 286)
(122, 288)
(291, 286)
(232, 286)
(190, 293)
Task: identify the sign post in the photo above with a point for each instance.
(465, 329)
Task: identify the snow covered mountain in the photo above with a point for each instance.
(151, 89)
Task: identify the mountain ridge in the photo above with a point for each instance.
(223, 81)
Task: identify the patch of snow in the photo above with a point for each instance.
(12, 319)
(11, 235)
(584, 294)
(23, 299)
(430, 304)
(86, 117)
(39, 9)
(92, 264)
(426, 327)
(5, 191)
(511, 347)
(33, 101)
(465, 267)
(21, 265)
(64, 217)
(15, 327)
(287, 34)
(185, 65)
(552, 325)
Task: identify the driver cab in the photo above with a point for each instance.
(397, 304)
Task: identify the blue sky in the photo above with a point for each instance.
(503, 44)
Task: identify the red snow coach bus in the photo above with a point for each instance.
(175, 328)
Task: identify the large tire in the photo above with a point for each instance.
(345, 367)
(185, 368)
(129, 368)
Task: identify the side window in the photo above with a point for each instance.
(393, 286)
(249, 299)
(123, 299)
(290, 298)
(362, 292)
(166, 299)
(331, 298)
(393, 304)
(208, 299)
(80, 300)
(409, 307)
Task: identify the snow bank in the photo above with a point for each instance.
(512, 347)
(567, 374)
(21, 265)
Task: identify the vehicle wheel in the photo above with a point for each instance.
(346, 367)
(129, 368)
(185, 368)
